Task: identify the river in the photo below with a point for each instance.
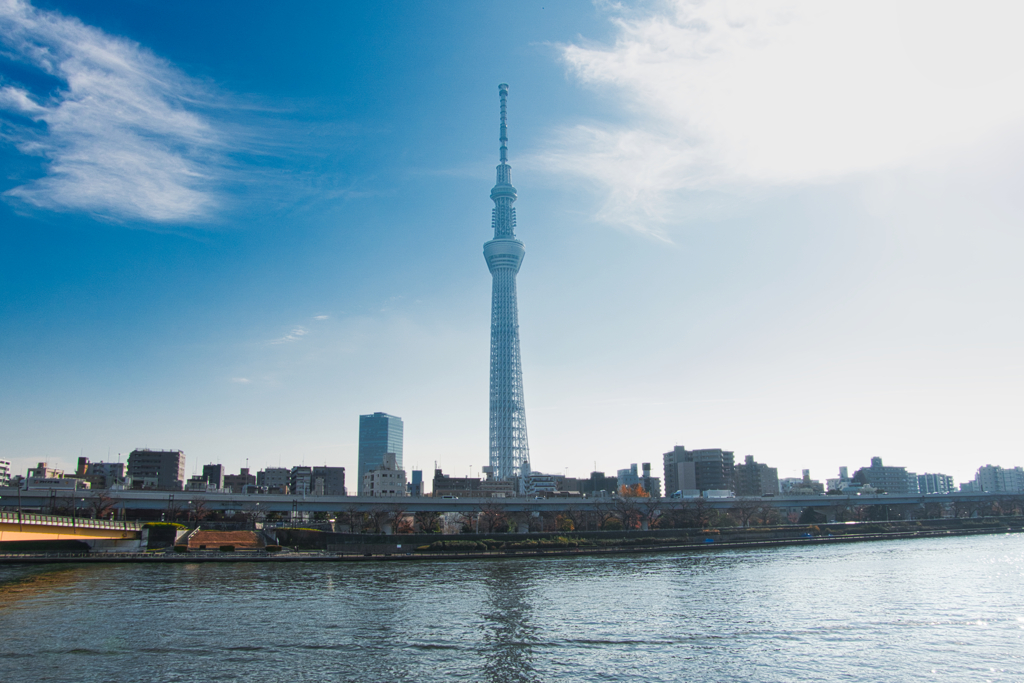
(931, 610)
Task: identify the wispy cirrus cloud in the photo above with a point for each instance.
(743, 96)
(295, 335)
(123, 135)
(321, 317)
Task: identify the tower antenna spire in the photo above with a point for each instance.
(503, 135)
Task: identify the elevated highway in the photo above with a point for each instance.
(126, 504)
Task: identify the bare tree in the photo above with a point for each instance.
(100, 505)
(676, 514)
(701, 512)
(198, 509)
(575, 516)
(840, 508)
(492, 517)
(62, 506)
(252, 513)
(396, 518)
(650, 510)
(427, 522)
(377, 517)
(518, 519)
(745, 508)
(628, 512)
(550, 519)
(355, 518)
(174, 510)
(1005, 505)
(767, 514)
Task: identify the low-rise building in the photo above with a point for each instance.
(755, 479)
(416, 484)
(703, 469)
(894, 480)
(243, 482)
(5, 472)
(628, 477)
(273, 480)
(300, 480)
(162, 470)
(44, 471)
(214, 475)
(447, 486)
(803, 486)
(538, 484)
(386, 480)
(59, 483)
(328, 481)
(599, 485)
(935, 483)
(995, 479)
(103, 475)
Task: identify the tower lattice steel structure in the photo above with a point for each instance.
(510, 450)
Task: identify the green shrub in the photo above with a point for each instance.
(181, 548)
(273, 548)
(227, 548)
(163, 525)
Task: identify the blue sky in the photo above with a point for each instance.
(790, 230)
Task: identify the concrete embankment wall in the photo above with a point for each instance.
(404, 543)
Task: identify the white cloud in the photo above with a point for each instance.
(241, 380)
(295, 335)
(321, 317)
(737, 96)
(122, 137)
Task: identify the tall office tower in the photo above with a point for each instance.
(379, 434)
(510, 450)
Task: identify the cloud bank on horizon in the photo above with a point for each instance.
(121, 136)
(744, 96)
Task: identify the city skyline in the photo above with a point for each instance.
(233, 232)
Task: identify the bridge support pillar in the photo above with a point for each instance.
(644, 526)
(387, 528)
(523, 527)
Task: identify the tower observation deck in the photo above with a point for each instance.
(509, 447)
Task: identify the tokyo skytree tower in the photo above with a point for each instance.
(510, 450)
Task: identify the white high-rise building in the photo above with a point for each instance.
(5, 472)
(509, 446)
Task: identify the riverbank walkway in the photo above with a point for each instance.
(331, 556)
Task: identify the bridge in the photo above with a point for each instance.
(99, 534)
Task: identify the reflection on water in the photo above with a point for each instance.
(24, 582)
(508, 633)
(935, 609)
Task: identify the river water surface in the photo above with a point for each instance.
(930, 610)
